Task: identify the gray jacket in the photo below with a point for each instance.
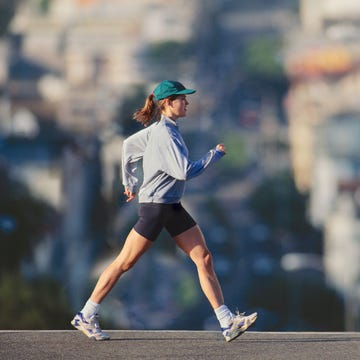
(165, 163)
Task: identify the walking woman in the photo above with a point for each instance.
(166, 167)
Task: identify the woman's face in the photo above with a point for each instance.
(177, 108)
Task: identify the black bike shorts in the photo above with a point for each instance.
(153, 217)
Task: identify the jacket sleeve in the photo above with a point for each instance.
(195, 168)
(175, 160)
(132, 154)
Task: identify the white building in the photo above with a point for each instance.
(317, 16)
(324, 127)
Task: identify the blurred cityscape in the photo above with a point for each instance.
(277, 81)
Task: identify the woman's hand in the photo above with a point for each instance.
(130, 195)
(221, 147)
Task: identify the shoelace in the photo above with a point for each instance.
(95, 322)
(238, 313)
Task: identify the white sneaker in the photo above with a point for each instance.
(90, 327)
(239, 325)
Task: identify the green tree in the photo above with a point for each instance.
(262, 64)
(237, 152)
(168, 51)
(170, 59)
(44, 5)
(39, 304)
(25, 304)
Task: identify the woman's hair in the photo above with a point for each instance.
(152, 109)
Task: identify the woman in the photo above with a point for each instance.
(166, 167)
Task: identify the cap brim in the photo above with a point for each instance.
(185, 92)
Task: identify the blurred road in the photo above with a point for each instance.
(179, 345)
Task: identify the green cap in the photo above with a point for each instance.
(169, 87)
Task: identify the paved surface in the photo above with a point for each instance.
(179, 345)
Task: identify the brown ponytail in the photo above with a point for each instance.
(152, 109)
(149, 112)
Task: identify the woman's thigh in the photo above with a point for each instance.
(192, 242)
(135, 245)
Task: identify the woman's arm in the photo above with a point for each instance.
(195, 168)
(175, 162)
(132, 153)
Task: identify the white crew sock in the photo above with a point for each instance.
(224, 315)
(91, 308)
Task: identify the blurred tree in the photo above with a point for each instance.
(44, 5)
(275, 301)
(39, 304)
(168, 51)
(301, 301)
(237, 152)
(262, 64)
(306, 300)
(130, 103)
(278, 204)
(7, 11)
(24, 304)
(26, 219)
(263, 71)
(169, 59)
(318, 300)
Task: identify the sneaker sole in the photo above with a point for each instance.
(242, 329)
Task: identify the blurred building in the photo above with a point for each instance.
(323, 65)
(93, 51)
(337, 18)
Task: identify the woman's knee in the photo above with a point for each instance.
(120, 267)
(204, 259)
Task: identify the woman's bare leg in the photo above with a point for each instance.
(192, 242)
(135, 245)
